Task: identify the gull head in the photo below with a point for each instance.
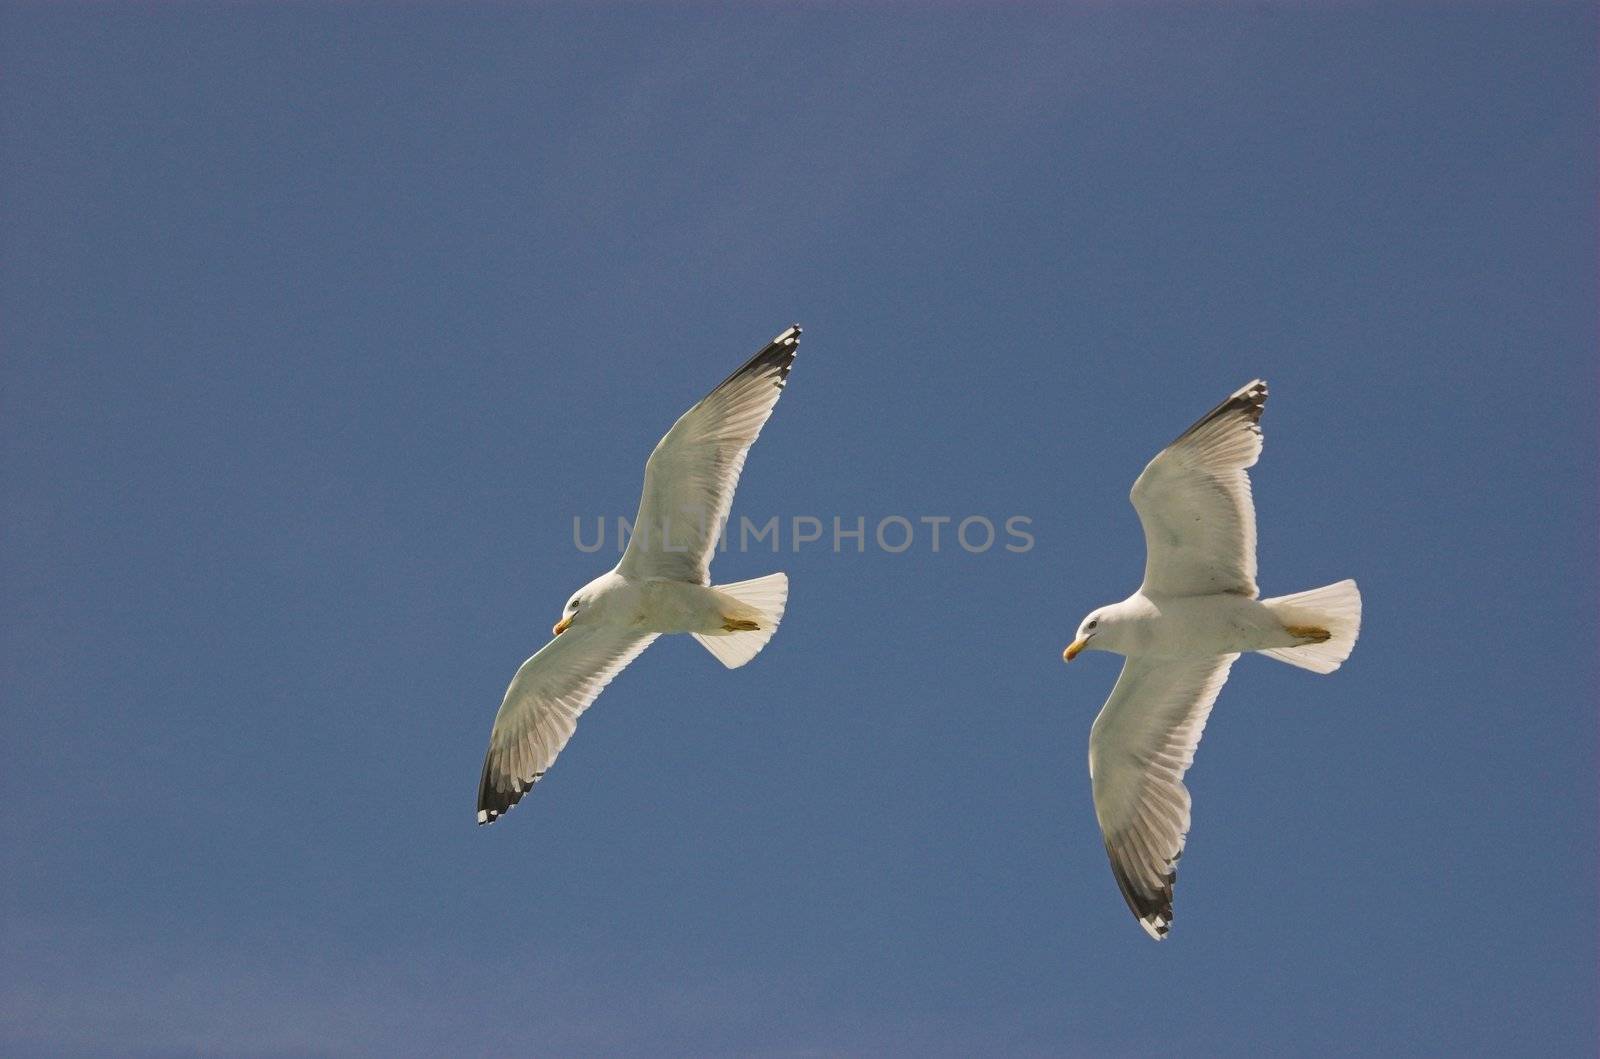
(1092, 627)
(582, 604)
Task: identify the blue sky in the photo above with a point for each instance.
(321, 322)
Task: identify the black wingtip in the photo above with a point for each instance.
(1250, 400)
(494, 802)
(1152, 910)
(774, 359)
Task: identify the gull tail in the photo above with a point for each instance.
(1332, 611)
(759, 602)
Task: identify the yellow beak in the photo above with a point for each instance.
(1074, 649)
(562, 626)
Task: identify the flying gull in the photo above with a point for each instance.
(1180, 633)
(662, 585)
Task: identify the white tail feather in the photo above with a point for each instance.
(1335, 607)
(766, 597)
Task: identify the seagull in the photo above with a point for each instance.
(1180, 633)
(661, 585)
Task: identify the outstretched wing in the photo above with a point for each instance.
(1141, 745)
(1194, 503)
(690, 477)
(541, 709)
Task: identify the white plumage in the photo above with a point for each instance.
(662, 584)
(1181, 632)
(690, 477)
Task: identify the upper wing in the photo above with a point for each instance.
(541, 709)
(690, 477)
(1194, 502)
(1141, 745)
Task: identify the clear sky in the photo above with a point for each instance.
(321, 322)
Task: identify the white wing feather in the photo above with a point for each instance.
(1141, 745)
(541, 708)
(690, 478)
(1194, 503)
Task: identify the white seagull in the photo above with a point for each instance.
(1180, 632)
(662, 585)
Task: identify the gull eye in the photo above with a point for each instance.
(573, 605)
(1093, 622)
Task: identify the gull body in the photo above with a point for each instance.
(1187, 627)
(1196, 612)
(655, 605)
